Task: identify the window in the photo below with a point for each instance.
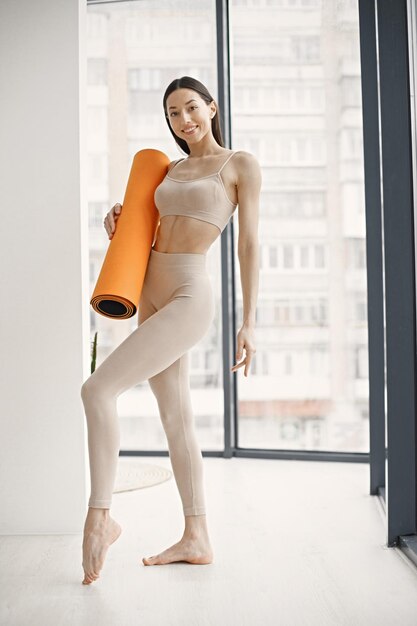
(134, 51)
(293, 81)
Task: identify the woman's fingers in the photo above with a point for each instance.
(246, 362)
(111, 218)
(235, 367)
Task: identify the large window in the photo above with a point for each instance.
(135, 49)
(296, 104)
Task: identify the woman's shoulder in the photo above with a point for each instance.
(246, 163)
(244, 156)
(173, 163)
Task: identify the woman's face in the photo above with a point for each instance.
(187, 110)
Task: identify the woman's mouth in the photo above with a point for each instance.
(190, 131)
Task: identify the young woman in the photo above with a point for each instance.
(196, 199)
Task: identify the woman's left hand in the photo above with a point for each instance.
(245, 340)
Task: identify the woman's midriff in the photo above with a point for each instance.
(181, 234)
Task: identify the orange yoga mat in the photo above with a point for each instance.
(119, 284)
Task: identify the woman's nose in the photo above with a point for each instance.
(185, 118)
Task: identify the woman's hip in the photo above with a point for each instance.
(179, 276)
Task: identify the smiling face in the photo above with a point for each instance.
(188, 114)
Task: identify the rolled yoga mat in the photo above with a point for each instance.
(119, 284)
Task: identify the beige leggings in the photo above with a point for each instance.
(175, 311)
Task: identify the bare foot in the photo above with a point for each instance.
(192, 550)
(99, 534)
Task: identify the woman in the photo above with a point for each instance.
(176, 310)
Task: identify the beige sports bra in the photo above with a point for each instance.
(203, 198)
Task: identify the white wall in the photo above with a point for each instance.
(43, 267)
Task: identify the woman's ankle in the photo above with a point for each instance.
(195, 527)
(98, 513)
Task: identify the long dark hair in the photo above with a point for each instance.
(187, 82)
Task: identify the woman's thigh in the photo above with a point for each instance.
(164, 334)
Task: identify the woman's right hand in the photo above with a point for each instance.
(111, 219)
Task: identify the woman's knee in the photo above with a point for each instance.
(92, 388)
(86, 387)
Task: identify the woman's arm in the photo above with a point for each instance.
(249, 181)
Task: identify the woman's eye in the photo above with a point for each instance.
(192, 107)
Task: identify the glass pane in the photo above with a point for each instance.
(135, 49)
(297, 106)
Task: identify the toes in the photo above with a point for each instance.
(90, 578)
(149, 560)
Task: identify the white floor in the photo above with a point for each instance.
(296, 543)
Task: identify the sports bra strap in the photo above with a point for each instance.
(228, 158)
(183, 159)
(176, 162)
